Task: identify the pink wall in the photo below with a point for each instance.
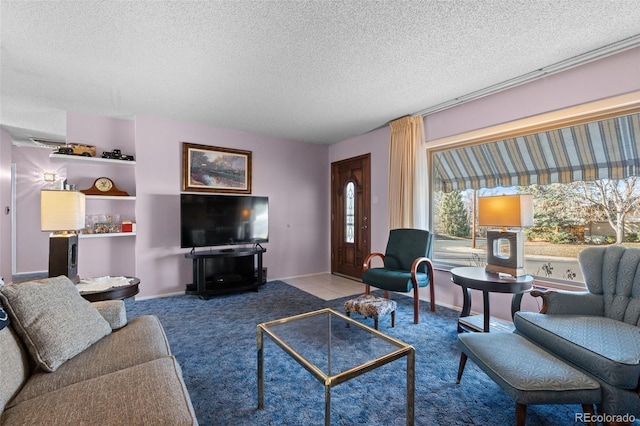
(615, 75)
(96, 257)
(597, 80)
(104, 256)
(375, 143)
(601, 79)
(5, 201)
(32, 245)
(293, 175)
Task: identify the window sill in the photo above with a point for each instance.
(539, 282)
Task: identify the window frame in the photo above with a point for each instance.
(625, 104)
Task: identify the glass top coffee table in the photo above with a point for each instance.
(334, 349)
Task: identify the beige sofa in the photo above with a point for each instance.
(65, 361)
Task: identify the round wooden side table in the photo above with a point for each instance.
(113, 293)
(476, 278)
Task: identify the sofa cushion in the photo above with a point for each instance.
(606, 348)
(53, 320)
(113, 311)
(140, 341)
(152, 393)
(393, 280)
(14, 365)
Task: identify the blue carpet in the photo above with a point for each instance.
(215, 343)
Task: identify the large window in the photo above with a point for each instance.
(583, 176)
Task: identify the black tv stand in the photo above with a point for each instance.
(222, 271)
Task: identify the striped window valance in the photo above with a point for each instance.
(605, 149)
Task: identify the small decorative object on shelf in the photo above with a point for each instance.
(104, 186)
(77, 149)
(116, 154)
(102, 224)
(128, 226)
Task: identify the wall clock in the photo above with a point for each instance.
(104, 186)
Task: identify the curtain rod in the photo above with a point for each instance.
(593, 55)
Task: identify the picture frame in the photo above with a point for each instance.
(215, 169)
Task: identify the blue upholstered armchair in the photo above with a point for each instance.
(407, 266)
(598, 330)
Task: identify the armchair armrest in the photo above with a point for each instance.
(113, 311)
(414, 278)
(366, 265)
(417, 263)
(367, 261)
(570, 302)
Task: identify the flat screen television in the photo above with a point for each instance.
(216, 220)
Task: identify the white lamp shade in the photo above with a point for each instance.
(506, 210)
(61, 210)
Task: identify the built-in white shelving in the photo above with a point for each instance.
(108, 235)
(82, 159)
(102, 161)
(111, 197)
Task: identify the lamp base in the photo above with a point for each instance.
(514, 272)
(63, 256)
(505, 252)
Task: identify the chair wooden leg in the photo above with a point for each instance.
(375, 323)
(367, 289)
(463, 362)
(432, 294)
(393, 319)
(588, 409)
(416, 305)
(521, 414)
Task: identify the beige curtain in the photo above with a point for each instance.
(407, 141)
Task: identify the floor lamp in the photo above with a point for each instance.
(62, 213)
(505, 247)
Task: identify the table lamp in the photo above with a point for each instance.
(505, 248)
(62, 213)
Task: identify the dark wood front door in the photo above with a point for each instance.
(350, 213)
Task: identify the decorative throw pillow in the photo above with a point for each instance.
(53, 320)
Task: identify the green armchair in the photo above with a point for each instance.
(406, 265)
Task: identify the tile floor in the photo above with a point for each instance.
(327, 286)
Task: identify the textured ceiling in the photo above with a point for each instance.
(315, 71)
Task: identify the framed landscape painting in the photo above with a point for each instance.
(215, 169)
